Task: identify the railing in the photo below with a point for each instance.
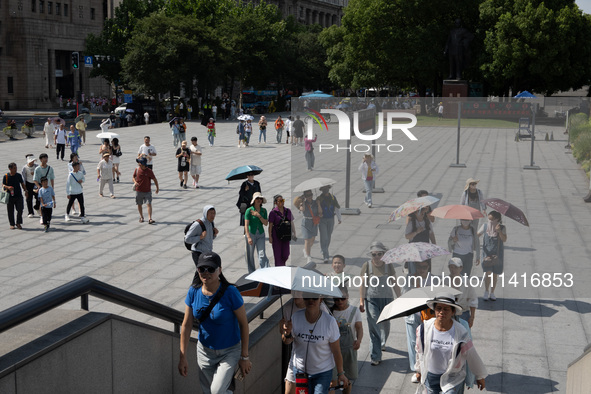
(86, 286)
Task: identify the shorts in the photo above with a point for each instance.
(298, 134)
(195, 170)
(289, 376)
(143, 197)
(184, 168)
(116, 159)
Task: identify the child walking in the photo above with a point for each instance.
(47, 199)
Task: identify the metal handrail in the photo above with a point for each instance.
(86, 286)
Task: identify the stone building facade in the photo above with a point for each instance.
(37, 38)
(323, 12)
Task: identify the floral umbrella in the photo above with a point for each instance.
(414, 251)
(411, 206)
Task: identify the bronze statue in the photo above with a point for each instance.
(457, 47)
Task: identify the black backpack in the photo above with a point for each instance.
(284, 227)
(188, 226)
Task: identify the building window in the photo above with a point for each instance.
(58, 8)
(50, 7)
(41, 3)
(10, 87)
(34, 5)
(65, 10)
(92, 14)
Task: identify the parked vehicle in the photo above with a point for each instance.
(71, 113)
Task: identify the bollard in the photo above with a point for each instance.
(547, 137)
(551, 136)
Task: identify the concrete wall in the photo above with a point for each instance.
(578, 379)
(122, 356)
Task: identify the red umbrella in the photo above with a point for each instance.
(457, 212)
(507, 209)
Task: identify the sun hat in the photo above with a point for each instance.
(445, 298)
(258, 195)
(456, 261)
(469, 181)
(31, 159)
(377, 246)
(143, 161)
(106, 154)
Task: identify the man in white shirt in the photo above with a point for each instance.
(147, 117)
(288, 124)
(148, 151)
(61, 139)
(48, 132)
(195, 169)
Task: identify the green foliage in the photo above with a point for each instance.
(535, 45)
(164, 50)
(394, 42)
(579, 123)
(582, 147)
(116, 32)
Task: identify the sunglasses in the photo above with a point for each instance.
(340, 299)
(376, 254)
(211, 270)
(280, 200)
(313, 299)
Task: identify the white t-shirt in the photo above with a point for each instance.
(144, 150)
(342, 317)
(195, 158)
(442, 345)
(311, 342)
(106, 169)
(61, 136)
(465, 240)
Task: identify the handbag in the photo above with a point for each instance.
(4, 196)
(315, 219)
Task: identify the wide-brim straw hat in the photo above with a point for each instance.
(469, 181)
(258, 195)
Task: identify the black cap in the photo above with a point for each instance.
(210, 259)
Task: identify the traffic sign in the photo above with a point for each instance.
(88, 61)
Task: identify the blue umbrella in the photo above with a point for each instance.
(525, 94)
(242, 172)
(317, 94)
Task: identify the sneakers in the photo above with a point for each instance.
(196, 186)
(31, 215)
(45, 228)
(485, 296)
(84, 220)
(182, 183)
(493, 297)
(375, 362)
(369, 205)
(414, 379)
(40, 220)
(67, 217)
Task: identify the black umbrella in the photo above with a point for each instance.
(243, 172)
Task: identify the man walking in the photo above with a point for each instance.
(195, 168)
(147, 151)
(142, 177)
(81, 127)
(61, 139)
(201, 235)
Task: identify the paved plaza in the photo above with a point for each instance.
(526, 338)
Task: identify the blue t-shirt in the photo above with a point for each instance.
(46, 193)
(220, 330)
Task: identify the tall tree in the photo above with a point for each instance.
(536, 45)
(165, 50)
(115, 34)
(394, 42)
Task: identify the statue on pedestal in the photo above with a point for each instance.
(458, 49)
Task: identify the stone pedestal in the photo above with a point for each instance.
(453, 88)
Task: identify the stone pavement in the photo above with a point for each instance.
(526, 338)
